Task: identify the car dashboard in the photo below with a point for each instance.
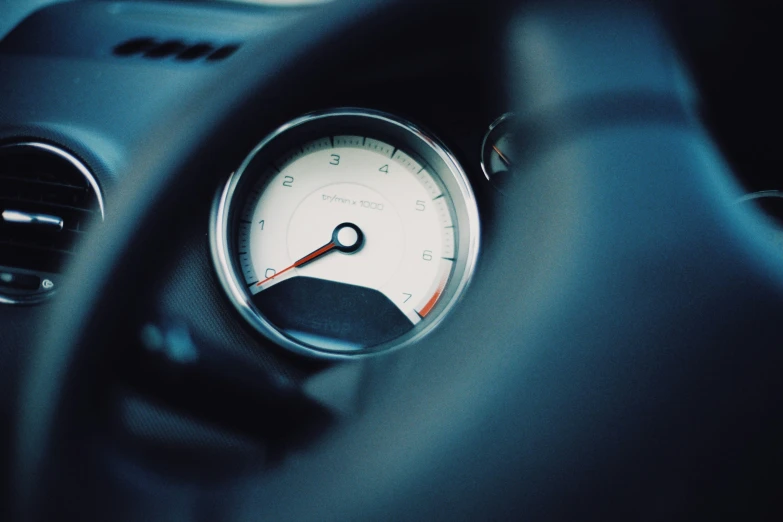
(83, 86)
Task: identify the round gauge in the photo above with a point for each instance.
(496, 150)
(345, 233)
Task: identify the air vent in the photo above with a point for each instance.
(179, 50)
(47, 200)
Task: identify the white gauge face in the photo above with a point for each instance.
(346, 242)
(407, 250)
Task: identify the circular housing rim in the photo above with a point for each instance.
(221, 221)
(91, 180)
(492, 126)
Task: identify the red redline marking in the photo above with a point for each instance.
(306, 259)
(430, 304)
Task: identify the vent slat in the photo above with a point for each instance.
(49, 206)
(58, 240)
(5, 178)
(32, 246)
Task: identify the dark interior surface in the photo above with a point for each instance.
(317, 302)
(616, 356)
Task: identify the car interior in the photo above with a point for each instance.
(390, 260)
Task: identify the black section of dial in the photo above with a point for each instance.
(348, 316)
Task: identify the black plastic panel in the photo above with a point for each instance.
(332, 315)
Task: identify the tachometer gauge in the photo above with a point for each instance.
(345, 233)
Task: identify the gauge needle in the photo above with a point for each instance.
(346, 238)
(306, 259)
(502, 156)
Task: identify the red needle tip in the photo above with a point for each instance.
(306, 259)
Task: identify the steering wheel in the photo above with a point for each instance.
(616, 356)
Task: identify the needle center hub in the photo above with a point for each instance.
(347, 238)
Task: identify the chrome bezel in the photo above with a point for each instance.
(464, 203)
(761, 194)
(85, 172)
